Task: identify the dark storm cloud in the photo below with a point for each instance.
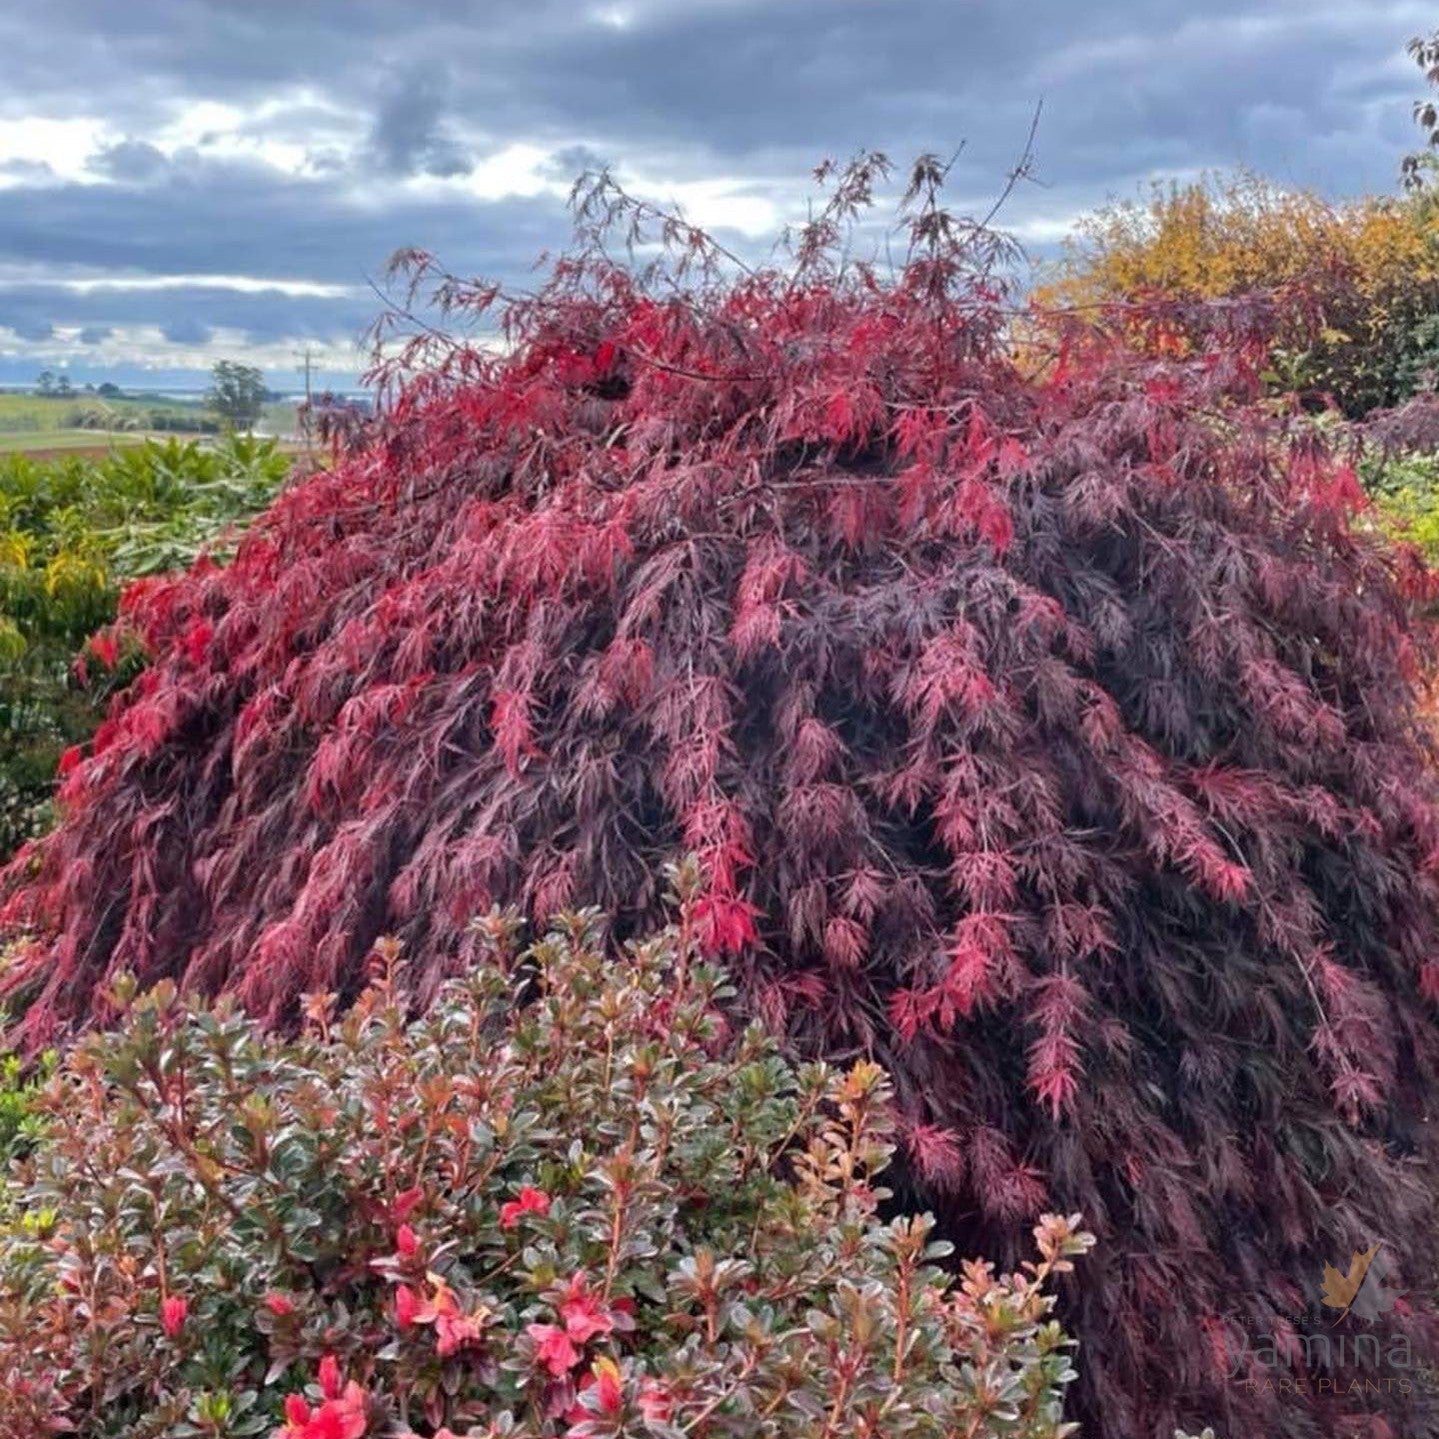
(134, 160)
(245, 219)
(34, 172)
(409, 137)
(186, 331)
(16, 320)
(264, 316)
(1314, 92)
(740, 77)
(573, 160)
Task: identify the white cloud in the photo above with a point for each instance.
(12, 278)
(144, 347)
(64, 145)
(285, 131)
(515, 172)
(614, 17)
(748, 206)
(292, 133)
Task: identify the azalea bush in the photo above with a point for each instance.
(575, 1199)
(72, 531)
(1049, 727)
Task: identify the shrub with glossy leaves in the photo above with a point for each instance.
(573, 1200)
(1048, 731)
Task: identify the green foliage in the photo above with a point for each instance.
(1417, 168)
(21, 1126)
(570, 1200)
(1405, 489)
(72, 531)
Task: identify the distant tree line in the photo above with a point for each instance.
(236, 398)
(50, 384)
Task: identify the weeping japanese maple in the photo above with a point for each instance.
(1042, 716)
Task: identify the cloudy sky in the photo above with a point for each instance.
(187, 179)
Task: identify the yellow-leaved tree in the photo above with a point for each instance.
(1362, 276)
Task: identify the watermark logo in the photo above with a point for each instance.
(1364, 1289)
(1316, 1353)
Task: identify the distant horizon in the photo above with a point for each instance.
(91, 387)
(24, 376)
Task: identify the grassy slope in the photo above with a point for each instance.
(44, 442)
(39, 424)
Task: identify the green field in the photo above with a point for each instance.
(44, 441)
(87, 421)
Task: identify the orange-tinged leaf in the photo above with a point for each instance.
(1339, 1289)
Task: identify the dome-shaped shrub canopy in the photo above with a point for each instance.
(1042, 717)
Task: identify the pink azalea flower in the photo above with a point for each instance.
(173, 1310)
(553, 1350)
(531, 1201)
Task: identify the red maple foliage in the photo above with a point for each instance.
(1044, 725)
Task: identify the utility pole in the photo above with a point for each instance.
(306, 358)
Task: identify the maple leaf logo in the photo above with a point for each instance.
(1348, 1291)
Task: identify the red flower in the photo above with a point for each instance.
(454, 1331)
(531, 1201)
(585, 1316)
(342, 1418)
(173, 1310)
(553, 1349)
(454, 1328)
(406, 1243)
(407, 1306)
(280, 1305)
(342, 1415)
(350, 1411)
